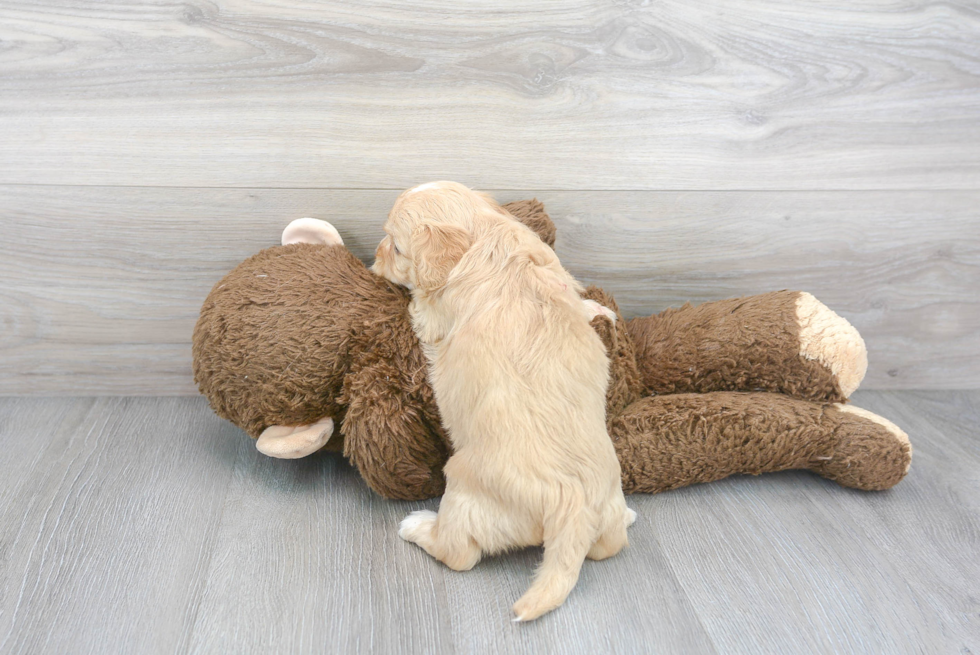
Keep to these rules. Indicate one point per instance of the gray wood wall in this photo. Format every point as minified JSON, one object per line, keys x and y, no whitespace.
{"x":688,"y":151}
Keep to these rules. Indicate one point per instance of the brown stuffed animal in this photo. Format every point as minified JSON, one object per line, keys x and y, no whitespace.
{"x":304,"y":348}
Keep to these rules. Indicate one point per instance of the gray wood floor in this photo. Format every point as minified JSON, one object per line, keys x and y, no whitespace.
{"x":148,"y":525}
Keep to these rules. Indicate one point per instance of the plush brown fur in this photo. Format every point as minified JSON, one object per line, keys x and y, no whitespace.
{"x":665,"y":442}
{"x":300,"y":332}
{"x":742,"y":343}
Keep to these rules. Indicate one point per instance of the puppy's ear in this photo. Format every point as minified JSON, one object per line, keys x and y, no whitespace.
{"x":436,"y":249}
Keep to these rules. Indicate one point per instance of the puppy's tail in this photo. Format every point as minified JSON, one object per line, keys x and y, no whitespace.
{"x":564,"y":553}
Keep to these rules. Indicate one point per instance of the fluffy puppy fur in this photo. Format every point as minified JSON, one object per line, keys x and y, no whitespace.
{"x":520,"y":378}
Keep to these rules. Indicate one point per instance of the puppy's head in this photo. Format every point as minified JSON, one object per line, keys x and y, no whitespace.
{"x":428,"y":231}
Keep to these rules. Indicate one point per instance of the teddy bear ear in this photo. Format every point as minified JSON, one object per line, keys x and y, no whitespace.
{"x":311,"y":230}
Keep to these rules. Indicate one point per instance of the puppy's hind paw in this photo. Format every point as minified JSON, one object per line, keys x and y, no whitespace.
{"x":417,"y":525}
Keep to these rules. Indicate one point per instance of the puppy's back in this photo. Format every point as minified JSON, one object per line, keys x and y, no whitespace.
{"x":535,"y":381}
{"x":523,"y":354}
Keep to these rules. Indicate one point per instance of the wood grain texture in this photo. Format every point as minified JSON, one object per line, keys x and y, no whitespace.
{"x":306,"y":563}
{"x":904,"y":268}
{"x":580,"y":95}
{"x":108,"y":520}
{"x":940,"y":515}
{"x":102,"y":286}
{"x":148,"y":525}
{"x":309,"y":559}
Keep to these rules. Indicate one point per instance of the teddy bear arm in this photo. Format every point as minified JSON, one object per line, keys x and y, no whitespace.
{"x":625,"y":385}
{"x":786,"y":342}
{"x":666,"y":442}
{"x":389,"y":437}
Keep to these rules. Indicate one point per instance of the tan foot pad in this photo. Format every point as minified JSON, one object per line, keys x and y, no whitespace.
{"x":898,"y":432}
{"x":832,"y":341}
{"x":293,"y":442}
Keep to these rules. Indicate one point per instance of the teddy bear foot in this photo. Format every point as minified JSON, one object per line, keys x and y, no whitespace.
{"x":870,"y":453}
{"x":832,"y":341}
{"x":293,"y":442}
{"x":311,"y":230}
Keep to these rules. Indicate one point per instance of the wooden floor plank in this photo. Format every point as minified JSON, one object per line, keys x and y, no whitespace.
{"x":769,"y":572}
{"x":632,"y":603}
{"x":103,"y":285}
{"x":186,"y":539}
{"x":306,"y":550}
{"x":926,"y":531}
{"x":581,"y":95}
{"x":108,"y":521}
{"x":308,"y":560}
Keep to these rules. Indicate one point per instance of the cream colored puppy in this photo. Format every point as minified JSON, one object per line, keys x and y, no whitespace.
{"x":520,"y":379}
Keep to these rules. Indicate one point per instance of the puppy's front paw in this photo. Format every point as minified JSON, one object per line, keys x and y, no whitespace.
{"x":595,"y":309}
{"x":417,"y":525}
{"x":630,"y":517}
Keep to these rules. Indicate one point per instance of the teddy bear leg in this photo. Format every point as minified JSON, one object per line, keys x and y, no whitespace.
{"x":830,"y":340}
{"x":293,"y":442}
{"x":870,"y":452}
{"x":667,"y":442}
{"x":785,"y":342}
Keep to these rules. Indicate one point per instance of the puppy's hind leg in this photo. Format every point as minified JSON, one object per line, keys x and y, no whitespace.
{"x":441,"y":536}
{"x":613,"y":539}
{"x":564,"y":552}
